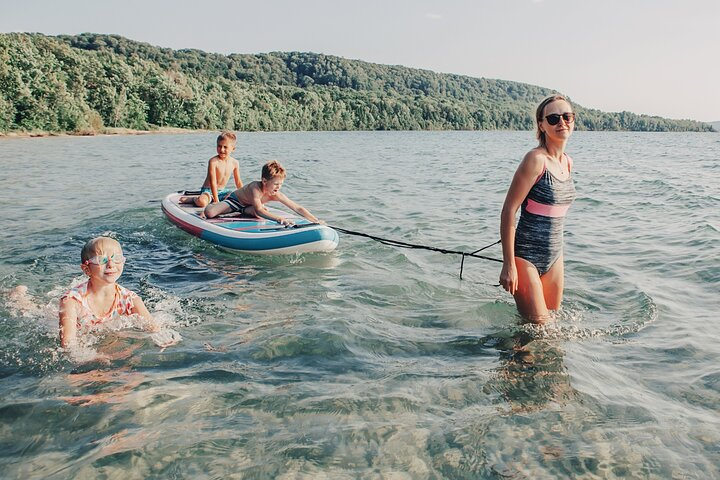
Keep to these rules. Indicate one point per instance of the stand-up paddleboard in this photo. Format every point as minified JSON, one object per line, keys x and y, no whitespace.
{"x":251,"y":234}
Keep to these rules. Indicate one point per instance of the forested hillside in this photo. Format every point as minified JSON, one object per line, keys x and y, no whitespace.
{"x":89,"y":82}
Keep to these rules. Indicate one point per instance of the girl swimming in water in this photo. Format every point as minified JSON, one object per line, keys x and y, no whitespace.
{"x":99,"y":298}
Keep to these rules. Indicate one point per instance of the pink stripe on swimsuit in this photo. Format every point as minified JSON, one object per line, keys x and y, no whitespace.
{"x":539,"y":233}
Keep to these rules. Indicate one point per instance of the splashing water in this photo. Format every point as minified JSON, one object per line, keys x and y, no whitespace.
{"x":41,"y":327}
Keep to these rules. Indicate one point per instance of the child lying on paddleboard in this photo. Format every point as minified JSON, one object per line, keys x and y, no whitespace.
{"x":251,"y":199}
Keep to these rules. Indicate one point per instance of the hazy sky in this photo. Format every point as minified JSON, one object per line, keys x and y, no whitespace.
{"x":658,"y":57}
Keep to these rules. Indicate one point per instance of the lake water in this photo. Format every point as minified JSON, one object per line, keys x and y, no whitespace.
{"x":370,"y":361}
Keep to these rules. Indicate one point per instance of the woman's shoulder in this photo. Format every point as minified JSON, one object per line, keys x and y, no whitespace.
{"x":536,"y":156}
{"x":533,"y":163}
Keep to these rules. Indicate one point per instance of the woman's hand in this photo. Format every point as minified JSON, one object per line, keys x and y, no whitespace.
{"x":509,"y":277}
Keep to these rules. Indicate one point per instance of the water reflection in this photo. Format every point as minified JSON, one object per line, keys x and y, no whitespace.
{"x":104,"y":386}
{"x":532,"y":373}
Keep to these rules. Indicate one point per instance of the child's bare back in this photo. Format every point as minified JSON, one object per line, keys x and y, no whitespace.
{"x":251,"y":191}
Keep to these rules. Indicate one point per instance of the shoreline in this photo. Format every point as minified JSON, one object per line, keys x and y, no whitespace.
{"x":104,"y":132}
{"x":176,"y":130}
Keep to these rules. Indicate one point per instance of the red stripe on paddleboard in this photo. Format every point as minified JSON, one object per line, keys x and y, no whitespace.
{"x":191,"y":229}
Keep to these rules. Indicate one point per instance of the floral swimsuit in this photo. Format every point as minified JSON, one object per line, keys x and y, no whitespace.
{"x":123,"y":305}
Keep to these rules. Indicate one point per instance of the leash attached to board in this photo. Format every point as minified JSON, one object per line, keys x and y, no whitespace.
{"x":400,"y":244}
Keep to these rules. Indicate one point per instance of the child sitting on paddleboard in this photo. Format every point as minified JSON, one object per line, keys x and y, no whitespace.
{"x":220,"y":168}
{"x":251,"y":199}
{"x":89,"y":304}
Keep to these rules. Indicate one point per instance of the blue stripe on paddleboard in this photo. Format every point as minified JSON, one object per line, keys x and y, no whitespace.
{"x":255,"y":227}
{"x":292,"y":239}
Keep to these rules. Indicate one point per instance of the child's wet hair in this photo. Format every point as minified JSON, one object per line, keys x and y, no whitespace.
{"x":273,"y":169}
{"x":91,"y":247}
{"x":227,"y":135}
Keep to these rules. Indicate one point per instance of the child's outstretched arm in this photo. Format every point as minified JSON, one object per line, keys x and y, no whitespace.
{"x":140,"y":309}
{"x":69,"y":333}
{"x":297,"y":208}
{"x":162,"y":337}
{"x":68,"y":322}
{"x":258,"y":209}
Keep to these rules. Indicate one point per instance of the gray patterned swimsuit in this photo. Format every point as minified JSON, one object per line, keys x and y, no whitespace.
{"x":539,"y":233}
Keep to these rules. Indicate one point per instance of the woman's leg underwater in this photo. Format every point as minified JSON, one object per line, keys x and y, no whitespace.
{"x":529,"y":297}
{"x":553,"y":283}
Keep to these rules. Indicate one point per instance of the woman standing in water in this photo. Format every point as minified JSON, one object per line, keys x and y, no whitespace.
{"x":543,"y":190}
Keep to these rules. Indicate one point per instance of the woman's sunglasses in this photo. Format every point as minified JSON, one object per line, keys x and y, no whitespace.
{"x":554,"y":118}
{"x":104,"y":259}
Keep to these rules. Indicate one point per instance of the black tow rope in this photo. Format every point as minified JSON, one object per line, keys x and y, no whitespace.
{"x":398,"y":243}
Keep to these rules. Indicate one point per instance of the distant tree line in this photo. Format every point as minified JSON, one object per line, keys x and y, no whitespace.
{"x":86,"y":83}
